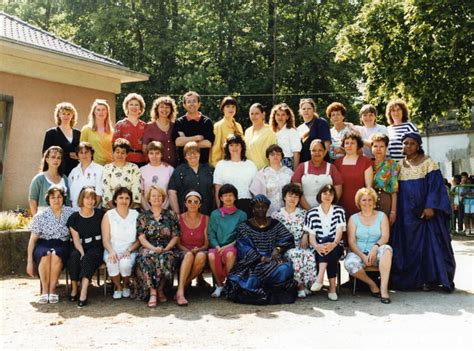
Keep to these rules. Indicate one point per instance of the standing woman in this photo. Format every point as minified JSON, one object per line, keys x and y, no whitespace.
{"x":119,"y":237}
{"x":368,"y":118}
{"x":99,"y":131}
{"x":259,"y":136}
{"x":132,"y":127}
{"x":270,"y":180}
{"x":235,"y":169}
{"x":158,"y":233}
{"x":85,"y":228}
{"x":422,"y":253}
{"x":282,"y":122}
{"x":221,"y":231}
{"x":192,"y":244}
{"x":223,"y":128}
{"x":121,"y":173}
{"x":356,"y":171}
{"x":314,"y":174}
{"x":292,"y":217}
{"x":312,"y":128}
{"x":325,"y":225}
{"x":155,"y":172}
{"x":48,"y":248}
{"x":385,"y":177}
{"x":336,"y":112}
{"x":398,"y":124}
{"x":64,"y":135}
{"x":160,"y":128}
{"x":51,"y":175}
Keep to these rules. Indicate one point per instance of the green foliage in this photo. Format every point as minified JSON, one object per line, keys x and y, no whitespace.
{"x":419,"y":50}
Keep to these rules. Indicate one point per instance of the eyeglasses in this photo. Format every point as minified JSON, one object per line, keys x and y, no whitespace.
{"x":193,"y":202}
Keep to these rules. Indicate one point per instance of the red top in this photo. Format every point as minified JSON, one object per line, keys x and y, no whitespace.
{"x":333,"y":172}
{"x":191,"y":238}
{"x":353,"y":176}
{"x":134,"y":134}
{"x":154,"y":133}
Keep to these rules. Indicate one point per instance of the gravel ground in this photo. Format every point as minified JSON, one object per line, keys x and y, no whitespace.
{"x":414,"y":320}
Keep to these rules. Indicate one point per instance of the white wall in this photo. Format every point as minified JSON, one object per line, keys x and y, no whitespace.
{"x":446,"y":149}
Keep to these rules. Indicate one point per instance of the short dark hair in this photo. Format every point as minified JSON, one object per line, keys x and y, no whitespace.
{"x":354,"y":136}
{"x":235,"y":139}
{"x":122,"y":190}
{"x":122,"y":143}
{"x":272,"y":148}
{"x":327,"y":188}
{"x":228,"y":188}
{"x":52,"y":190}
{"x":464,"y":174}
{"x":291,"y":188}
{"x":85,"y":145}
{"x":228,"y":100}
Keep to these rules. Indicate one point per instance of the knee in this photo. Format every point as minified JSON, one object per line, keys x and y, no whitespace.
{"x":200,"y":257}
{"x":212,"y":257}
{"x":125,"y":267}
{"x":230,"y":255}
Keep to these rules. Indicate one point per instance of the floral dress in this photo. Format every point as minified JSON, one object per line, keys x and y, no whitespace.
{"x":304,"y":261}
{"x":151,"y":267}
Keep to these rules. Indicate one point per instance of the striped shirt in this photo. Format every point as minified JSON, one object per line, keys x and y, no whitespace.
{"x":325,"y":226}
{"x":395,"y":134}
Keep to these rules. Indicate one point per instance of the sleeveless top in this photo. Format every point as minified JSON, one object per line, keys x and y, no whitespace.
{"x":191,"y":238}
{"x":311,"y":183}
{"x":367,"y":236}
{"x":123,"y":232}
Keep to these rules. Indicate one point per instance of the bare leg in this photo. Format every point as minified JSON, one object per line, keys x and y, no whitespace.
{"x":212,"y":265}
{"x":184,"y":270}
{"x":117,"y":280}
{"x":361,"y":275}
{"x":74,"y":285}
{"x":384,"y":267}
{"x":198,"y":266}
{"x":161,"y":293}
{"x":84,"y":285}
{"x":56,"y":267}
{"x":229,"y":261}
{"x":44,"y":270}
{"x":126,"y":282}
{"x":322,"y":270}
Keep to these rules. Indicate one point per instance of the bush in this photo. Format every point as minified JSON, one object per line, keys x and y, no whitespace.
{"x":11,"y":220}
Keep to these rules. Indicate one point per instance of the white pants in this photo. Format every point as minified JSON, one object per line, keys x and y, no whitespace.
{"x":123,"y":266}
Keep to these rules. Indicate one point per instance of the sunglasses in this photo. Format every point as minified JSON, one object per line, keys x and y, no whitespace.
{"x":193,"y":202}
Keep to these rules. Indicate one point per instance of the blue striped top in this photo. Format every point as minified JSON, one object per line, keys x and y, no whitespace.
{"x":395,"y":134}
{"x":325,"y":229}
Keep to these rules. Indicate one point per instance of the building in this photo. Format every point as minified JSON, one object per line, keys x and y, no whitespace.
{"x":37,"y":71}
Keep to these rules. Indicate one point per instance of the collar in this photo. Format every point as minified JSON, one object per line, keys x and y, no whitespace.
{"x":188,"y":118}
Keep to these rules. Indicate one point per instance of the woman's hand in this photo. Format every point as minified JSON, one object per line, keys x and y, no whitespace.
{"x":195,"y":250}
{"x":158,"y":249}
{"x":126,"y":253}
{"x":372,"y":256}
{"x":320,"y":249}
{"x":265,"y":259}
{"x":393,"y":217}
{"x":275,"y":253}
{"x":428,"y":213}
{"x":304,"y":241}
{"x":30,"y":269}
{"x":113,"y":257}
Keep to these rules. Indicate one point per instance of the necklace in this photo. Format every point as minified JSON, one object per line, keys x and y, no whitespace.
{"x":260,"y":225}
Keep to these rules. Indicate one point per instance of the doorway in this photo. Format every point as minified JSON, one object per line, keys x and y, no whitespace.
{"x":6,"y":108}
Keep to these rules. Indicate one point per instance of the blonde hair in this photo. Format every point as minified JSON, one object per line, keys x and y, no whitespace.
{"x":130,"y":97}
{"x":365,"y":191}
{"x":167,"y":100}
{"x":290,"y":123}
{"x":191,"y":146}
{"x":307,"y":101}
{"x":157,"y":188}
{"x":68,"y":107}
{"x":92,"y":122}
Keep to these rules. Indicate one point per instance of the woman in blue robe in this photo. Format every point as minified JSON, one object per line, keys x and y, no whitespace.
{"x":262,"y":274}
{"x":422,"y":253}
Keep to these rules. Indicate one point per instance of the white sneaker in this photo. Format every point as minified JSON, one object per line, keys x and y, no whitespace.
{"x":126,"y":292}
{"x":332,"y":296}
{"x":301,"y":294}
{"x":316,"y":286}
{"x":218,"y":291}
{"x":117,"y":294}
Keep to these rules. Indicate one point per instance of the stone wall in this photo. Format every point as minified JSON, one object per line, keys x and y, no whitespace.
{"x":13,"y":251}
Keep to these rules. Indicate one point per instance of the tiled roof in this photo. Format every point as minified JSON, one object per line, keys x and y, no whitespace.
{"x":14,"y":29}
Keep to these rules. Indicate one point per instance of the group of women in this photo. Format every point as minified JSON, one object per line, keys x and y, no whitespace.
{"x":268,"y":212}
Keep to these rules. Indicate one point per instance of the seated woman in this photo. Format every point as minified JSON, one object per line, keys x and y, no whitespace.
{"x":119,"y":237}
{"x":193,"y":244}
{"x":221,"y":232}
{"x":121,"y":173}
{"x":292,"y":216}
{"x":262,"y":274}
{"x":368,"y":235}
{"x":48,"y":248}
{"x":158,"y":233}
{"x":87,"y":239}
{"x":325,"y":225}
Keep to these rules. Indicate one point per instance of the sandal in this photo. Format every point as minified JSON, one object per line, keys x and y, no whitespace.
{"x":43,"y":300}
{"x":73,"y":298}
{"x":53,"y":298}
{"x":162,"y":297}
{"x":385,"y":300}
{"x":181,"y":301}
{"x":152,"y":301}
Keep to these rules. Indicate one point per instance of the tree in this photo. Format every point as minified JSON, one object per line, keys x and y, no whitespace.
{"x":416,"y":49}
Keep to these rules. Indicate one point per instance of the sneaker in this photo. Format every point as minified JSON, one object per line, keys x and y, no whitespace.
{"x":301,"y":294}
{"x":332,"y":296}
{"x":307,"y":291}
{"x":218,"y":291}
{"x":126,"y":292}
{"x":117,"y":294}
{"x":316,"y":286}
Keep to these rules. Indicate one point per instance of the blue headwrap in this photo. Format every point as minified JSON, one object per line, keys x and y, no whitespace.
{"x":260,"y":198}
{"x":413,"y":135}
